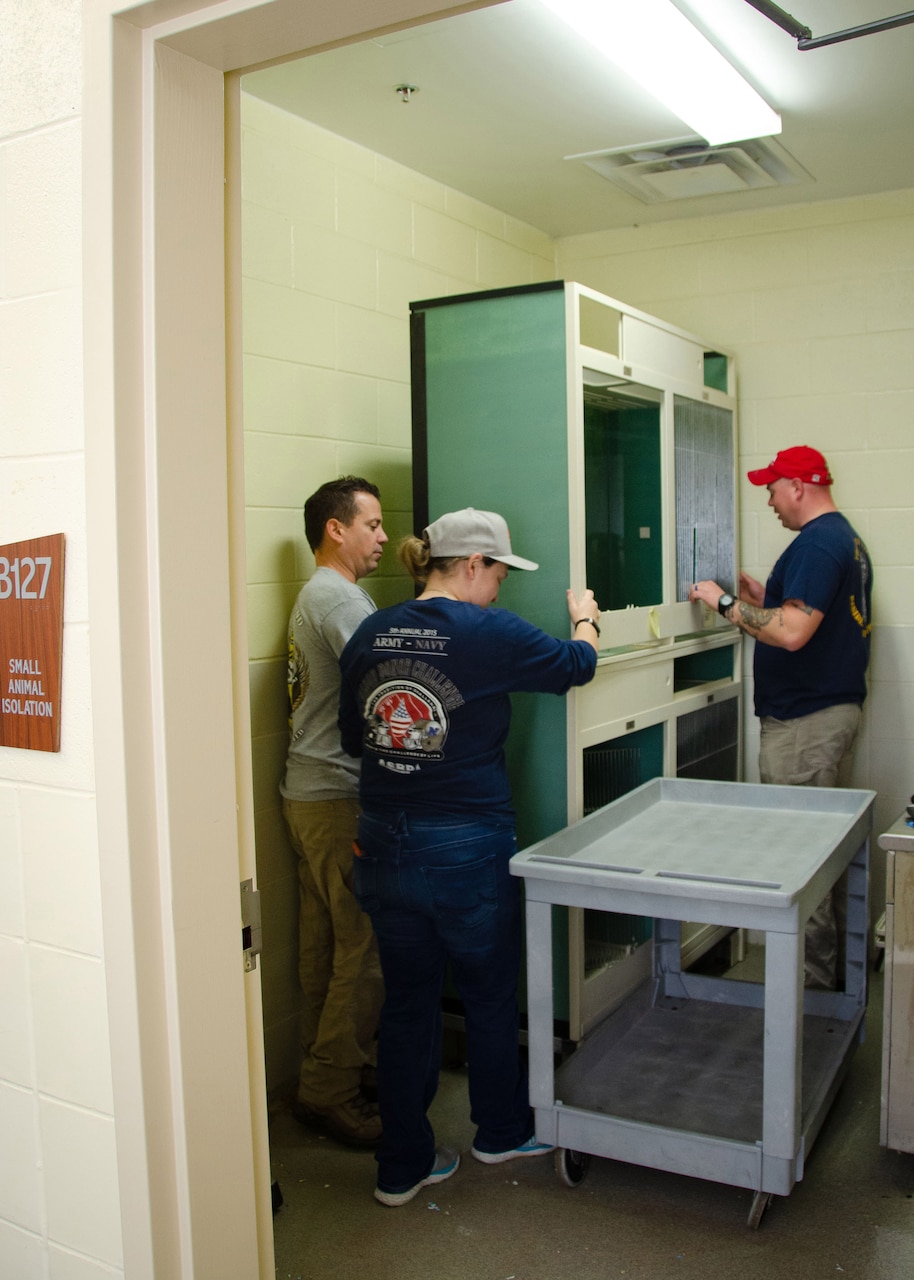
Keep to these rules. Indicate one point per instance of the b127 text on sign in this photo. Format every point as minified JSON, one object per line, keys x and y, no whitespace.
{"x":31,"y":642}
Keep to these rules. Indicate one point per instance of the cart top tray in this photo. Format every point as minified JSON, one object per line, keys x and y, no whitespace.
{"x":718,"y":841}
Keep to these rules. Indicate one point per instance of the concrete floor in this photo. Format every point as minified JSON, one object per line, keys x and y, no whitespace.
{"x":851,"y":1217}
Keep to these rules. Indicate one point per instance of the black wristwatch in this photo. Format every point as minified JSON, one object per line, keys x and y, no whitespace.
{"x":724,"y":603}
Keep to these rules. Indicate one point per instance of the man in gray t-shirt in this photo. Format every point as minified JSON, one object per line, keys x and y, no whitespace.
{"x":338,"y":961}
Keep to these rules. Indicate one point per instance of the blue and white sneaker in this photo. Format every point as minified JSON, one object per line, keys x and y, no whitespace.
{"x":529,"y":1148}
{"x":446,"y":1162}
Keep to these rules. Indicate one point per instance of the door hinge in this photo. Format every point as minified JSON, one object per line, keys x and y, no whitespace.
{"x":251,"y":931}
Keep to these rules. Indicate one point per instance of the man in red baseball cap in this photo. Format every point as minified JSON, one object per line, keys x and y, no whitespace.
{"x":811,"y":622}
{"x":798,"y":463}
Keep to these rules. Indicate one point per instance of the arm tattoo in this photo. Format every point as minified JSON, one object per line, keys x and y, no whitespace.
{"x":751,"y":616}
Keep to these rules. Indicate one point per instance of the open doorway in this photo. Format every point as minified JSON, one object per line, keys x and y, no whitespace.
{"x":170,"y":679}
{"x":336,"y":242}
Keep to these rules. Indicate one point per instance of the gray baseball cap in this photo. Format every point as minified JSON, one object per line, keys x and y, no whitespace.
{"x":463,"y":533}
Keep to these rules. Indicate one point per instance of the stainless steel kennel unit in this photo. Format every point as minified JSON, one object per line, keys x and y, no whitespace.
{"x":711,"y":1077}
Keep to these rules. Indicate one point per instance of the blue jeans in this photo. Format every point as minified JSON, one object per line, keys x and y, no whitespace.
{"x":438,"y":890}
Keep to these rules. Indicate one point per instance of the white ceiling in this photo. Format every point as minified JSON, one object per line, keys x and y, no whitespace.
{"x":506,"y":93}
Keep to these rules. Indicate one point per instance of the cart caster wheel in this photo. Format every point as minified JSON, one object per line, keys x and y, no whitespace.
{"x":571,"y":1166}
{"x":759,"y":1205}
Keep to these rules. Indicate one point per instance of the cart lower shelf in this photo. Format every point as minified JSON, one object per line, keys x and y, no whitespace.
{"x":691,"y":1064}
{"x":678,"y":1085}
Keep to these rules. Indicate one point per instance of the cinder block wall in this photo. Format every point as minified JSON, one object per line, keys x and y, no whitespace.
{"x":59,"y":1208}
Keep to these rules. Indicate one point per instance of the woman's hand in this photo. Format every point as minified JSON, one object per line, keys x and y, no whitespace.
{"x":584,"y":609}
{"x":582,"y":606}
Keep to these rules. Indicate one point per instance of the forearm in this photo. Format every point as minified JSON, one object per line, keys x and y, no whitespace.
{"x":785,"y":627}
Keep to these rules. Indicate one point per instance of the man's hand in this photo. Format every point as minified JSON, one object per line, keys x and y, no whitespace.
{"x":709,"y":592}
{"x":751,"y":590}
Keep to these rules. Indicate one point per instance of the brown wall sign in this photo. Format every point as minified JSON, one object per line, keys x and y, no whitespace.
{"x":31,"y":642}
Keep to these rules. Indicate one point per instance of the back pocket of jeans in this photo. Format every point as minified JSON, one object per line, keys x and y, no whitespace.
{"x":465,"y":896}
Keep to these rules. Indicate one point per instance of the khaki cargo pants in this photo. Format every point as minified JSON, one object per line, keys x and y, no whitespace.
{"x":339,"y":971}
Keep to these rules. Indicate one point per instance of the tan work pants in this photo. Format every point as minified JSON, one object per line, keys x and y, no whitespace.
{"x":339,"y":971}
{"x":815,"y":751}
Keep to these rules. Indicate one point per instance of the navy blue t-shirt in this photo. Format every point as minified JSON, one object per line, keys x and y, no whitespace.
{"x":828,"y":568}
{"x":424,"y":701}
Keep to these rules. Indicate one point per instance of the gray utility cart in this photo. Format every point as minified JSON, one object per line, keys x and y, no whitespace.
{"x":711,"y":1077}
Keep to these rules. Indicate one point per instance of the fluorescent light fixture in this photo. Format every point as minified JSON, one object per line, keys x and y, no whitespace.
{"x":653,"y":42}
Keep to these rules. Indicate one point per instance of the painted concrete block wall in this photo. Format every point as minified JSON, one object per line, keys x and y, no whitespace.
{"x":337,"y":241}
{"x":59,"y":1212}
{"x":817,"y":302}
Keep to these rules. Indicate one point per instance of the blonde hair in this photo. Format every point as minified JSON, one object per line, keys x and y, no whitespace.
{"x":418,"y":561}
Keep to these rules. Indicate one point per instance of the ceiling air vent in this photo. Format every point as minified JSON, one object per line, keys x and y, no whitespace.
{"x":684,"y":168}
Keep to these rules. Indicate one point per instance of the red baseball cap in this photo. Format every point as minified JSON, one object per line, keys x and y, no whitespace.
{"x":799,"y":463}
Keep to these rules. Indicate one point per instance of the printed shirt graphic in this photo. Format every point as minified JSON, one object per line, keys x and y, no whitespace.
{"x":403,"y":718}
{"x":425,"y":701}
{"x":408,"y":700}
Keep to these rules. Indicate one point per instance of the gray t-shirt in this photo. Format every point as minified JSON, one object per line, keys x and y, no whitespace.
{"x":328,"y":609}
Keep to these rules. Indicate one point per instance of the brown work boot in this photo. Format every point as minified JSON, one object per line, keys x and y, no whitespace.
{"x":355,"y":1123}
{"x":369,"y":1082}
